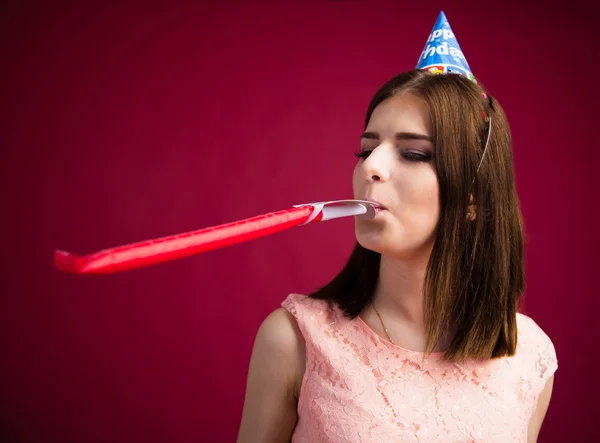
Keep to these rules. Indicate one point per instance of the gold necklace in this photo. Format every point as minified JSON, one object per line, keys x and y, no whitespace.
{"x":383,"y":324}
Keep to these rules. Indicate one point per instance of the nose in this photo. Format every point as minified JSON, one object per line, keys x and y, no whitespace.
{"x":378,"y":165}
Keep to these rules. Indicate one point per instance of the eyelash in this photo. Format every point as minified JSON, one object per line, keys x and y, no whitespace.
{"x":410,"y":156}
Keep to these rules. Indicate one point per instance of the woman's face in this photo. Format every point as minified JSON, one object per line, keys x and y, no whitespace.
{"x":396,"y":169}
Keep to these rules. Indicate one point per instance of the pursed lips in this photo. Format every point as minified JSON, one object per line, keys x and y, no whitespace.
{"x":377,"y":204}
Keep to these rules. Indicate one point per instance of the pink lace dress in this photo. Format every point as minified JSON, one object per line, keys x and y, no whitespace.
{"x":358,"y":387}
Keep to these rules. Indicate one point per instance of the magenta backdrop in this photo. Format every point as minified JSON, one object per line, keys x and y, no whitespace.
{"x":127,"y":123}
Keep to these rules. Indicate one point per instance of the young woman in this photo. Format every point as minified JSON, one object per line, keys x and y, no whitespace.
{"x":418,"y":338}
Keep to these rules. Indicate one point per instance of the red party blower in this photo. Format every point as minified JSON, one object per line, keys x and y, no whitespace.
{"x":160,"y":250}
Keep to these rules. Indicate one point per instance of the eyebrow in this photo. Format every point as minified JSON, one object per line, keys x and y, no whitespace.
{"x":399,"y":136}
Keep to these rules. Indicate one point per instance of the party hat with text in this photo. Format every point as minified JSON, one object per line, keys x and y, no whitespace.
{"x":442,"y":54}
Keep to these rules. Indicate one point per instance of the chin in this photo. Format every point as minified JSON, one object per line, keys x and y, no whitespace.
{"x":392,"y":248}
{"x":373,"y":243}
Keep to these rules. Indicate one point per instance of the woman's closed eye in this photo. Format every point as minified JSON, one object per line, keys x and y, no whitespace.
{"x":408,"y":155}
{"x":417,"y":156}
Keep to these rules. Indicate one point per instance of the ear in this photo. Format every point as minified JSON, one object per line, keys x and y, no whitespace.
{"x":471,"y":210}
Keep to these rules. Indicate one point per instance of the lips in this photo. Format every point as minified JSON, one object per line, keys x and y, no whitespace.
{"x":377,"y":204}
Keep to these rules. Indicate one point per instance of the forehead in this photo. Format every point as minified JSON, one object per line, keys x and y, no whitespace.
{"x":401,"y":113}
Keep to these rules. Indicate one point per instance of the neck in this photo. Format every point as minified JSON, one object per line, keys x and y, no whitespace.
{"x":399,"y":298}
{"x":399,"y":290}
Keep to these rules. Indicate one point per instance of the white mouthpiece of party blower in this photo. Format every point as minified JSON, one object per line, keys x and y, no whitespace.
{"x":330,"y":210}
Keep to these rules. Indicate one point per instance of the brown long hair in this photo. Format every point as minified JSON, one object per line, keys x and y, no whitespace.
{"x":475,"y":274}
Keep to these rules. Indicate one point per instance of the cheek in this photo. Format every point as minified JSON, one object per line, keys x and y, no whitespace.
{"x":356,"y":181}
{"x":423,"y":192}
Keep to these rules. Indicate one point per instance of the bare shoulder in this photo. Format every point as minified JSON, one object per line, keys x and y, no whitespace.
{"x":274,"y":379}
{"x":280,"y":350}
{"x":279,"y":335}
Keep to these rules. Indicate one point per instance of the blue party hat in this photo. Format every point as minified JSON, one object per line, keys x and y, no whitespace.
{"x":442,"y":54}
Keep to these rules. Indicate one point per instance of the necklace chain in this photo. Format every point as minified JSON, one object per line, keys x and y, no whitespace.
{"x":383,"y":325}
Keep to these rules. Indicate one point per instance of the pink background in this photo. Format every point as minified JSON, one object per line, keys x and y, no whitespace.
{"x":127,"y":123}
